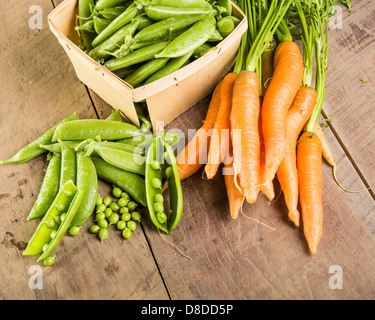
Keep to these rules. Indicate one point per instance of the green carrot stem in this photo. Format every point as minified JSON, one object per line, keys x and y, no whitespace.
{"x":321,"y":53}
{"x":271,"y":23}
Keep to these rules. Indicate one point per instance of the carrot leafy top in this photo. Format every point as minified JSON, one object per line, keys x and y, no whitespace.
{"x":319,"y":13}
{"x":264,"y":18}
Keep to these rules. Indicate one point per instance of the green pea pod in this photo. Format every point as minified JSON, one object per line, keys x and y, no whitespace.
{"x":141,"y":55}
{"x":122,"y":73}
{"x":202,"y":50}
{"x":85,"y":8}
{"x":33,"y":150}
{"x":88,"y":26}
{"x":193,"y":38}
{"x":112,"y":13}
{"x":87,"y":182}
{"x":175,"y":189}
{"x":115,"y":116}
{"x":100,"y":24}
{"x":225,"y":26}
{"x":92,"y":128}
{"x":56,"y":147}
{"x":145,"y":71}
{"x":68,"y":164}
{"x":153,"y":179}
{"x":163,"y":28}
{"x":144,"y":118}
{"x":123,"y":147}
{"x":42,"y":235}
{"x":235,"y":20}
{"x":173,"y":34}
{"x":131,"y":183}
{"x":182,"y":3}
{"x":64,"y":226}
{"x":104,"y":4}
{"x":144,"y":141}
{"x":104,"y":50}
{"x":121,"y":21}
{"x":227,"y":5}
{"x":121,"y":159}
{"x":215,"y":36}
{"x":49,"y":189}
{"x":144,"y":21}
{"x":161,"y":162}
{"x":172,"y":66}
{"x":141,"y":141}
{"x":161,"y":13}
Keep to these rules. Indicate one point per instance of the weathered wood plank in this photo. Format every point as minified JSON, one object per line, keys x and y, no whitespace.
{"x":39,"y":89}
{"x":244,"y":259}
{"x":351,"y":102}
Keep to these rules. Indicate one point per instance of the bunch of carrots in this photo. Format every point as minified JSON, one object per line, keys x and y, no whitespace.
{"x":262,"y":122}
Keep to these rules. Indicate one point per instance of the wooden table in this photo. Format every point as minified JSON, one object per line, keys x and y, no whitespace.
{"x":230,"y":259}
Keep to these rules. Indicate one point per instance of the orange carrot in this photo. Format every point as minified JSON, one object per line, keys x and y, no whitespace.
{"x":235,"y":197}
{"x":286,"y":81}
{"x":189,"y":160}
{"x":245,"y":134}
{"x":266,"y":187}
{"x":309,"y":164}
{"x":298,"y":115}
{"x":219,"y":143}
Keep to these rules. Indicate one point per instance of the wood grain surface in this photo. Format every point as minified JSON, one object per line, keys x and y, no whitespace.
{"x":261,"y":255}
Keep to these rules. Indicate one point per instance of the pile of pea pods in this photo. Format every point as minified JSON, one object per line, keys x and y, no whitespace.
{"x":135,"y":161}
{"x":143,"y":41}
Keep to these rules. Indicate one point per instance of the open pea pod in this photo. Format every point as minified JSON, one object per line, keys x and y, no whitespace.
{"x":44,"y":232}
{"x":175,"y":190}
{"x":63,"y":226}
{"x":161,"y":162}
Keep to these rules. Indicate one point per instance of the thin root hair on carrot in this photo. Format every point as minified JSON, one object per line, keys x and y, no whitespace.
{"x":173,"y":245}
{"x":257,"y":221}
{"x":341,"y":186}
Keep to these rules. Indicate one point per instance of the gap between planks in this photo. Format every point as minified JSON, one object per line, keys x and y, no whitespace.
{"x":349,"y":156}
{"x":143,"y":230}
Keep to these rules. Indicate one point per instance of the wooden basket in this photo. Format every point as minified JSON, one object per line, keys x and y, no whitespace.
{"x":166,"y":98}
